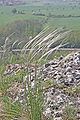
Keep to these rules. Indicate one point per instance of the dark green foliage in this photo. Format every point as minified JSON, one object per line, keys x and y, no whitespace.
{"x":12,"y":109}
{"x":14,"y":11}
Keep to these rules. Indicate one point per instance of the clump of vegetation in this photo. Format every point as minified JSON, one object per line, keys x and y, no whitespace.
{"x":35,"y":99}
{"x":11,"y":110}
{"x":69,"y":113}
{"x":39,"y":48}
{"x":14,"y":11}
{"x":73,"y":91}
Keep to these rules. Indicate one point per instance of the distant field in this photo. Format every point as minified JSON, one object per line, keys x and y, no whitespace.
{"x":49,"y":15}
{"x":6,"y":15}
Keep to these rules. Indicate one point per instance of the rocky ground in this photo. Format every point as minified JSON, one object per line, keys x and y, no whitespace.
{"x":63,"y":95}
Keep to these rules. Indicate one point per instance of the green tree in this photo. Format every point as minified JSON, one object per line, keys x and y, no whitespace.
{"x":14,"y":11}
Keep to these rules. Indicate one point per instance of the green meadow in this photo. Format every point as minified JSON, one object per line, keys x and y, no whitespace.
{"x":6,"y":15}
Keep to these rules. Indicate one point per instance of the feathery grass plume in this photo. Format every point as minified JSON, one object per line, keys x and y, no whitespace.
{"x":37,"y":37}
{"x":39,"y":46}
{"x":14,"y":43}
{"x":7,"y":45}
{"x":20,"y":43}
{"x":7,"y":40}
{"x":42,"y":40}
{"x":47,"y":48}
